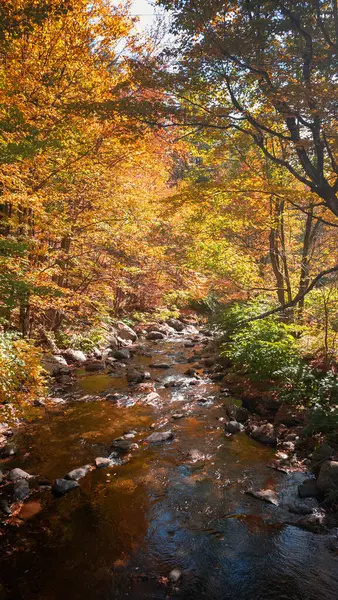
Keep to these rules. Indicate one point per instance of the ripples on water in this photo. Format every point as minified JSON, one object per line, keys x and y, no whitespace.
{"x":126,"y":528}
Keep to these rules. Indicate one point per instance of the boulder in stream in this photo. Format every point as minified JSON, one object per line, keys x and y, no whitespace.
{"x":159,"y":436}
{"x":175,"y":324}
{"x":195,"y":455}
{"x":102,"y":463}
{"x":233,"y":427}
{"x":265,"y":434}
{"x":54,"y":364}
{"x":78,"y":473}
{"x":17,"y":474}
{"x":237,"y":413}
{"x":155,"y":335}
{"x":74,"y":356}
{"x":21,"y":490}
{"x":63,"y":486}
{"x":122,"y":354}
{"x":269,"y":496}
{"x":124,"y":445}
{"x":328,"y":477}
{"x":125,"y":332}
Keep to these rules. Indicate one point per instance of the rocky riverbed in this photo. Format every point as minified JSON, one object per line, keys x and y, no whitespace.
{"x":142,"y":477}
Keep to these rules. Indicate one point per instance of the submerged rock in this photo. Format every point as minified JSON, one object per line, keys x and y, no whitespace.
{"x":265,"y":434}
{"x":63,"y":486}
{"x":78,"y":473}
{"x":159,"y":436}
{"x":94,"y":365}
{"x":269,"y":496}
{"x":160,"y":365}
{"x":308,"y":489}
{"x":233,"y":427}
{"x":17,"y":474}
{"x":21,"y":490}
{"x":124,"y":445}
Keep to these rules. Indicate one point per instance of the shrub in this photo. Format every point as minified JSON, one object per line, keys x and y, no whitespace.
{"x":305,"y":385}
{"x":262,"y":347}
{"x":21,"y":374}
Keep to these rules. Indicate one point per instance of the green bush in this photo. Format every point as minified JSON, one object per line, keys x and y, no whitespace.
{"x":260,"y":347}
{"x":305,"y":385}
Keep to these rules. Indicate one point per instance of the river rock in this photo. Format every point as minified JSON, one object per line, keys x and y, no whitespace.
{"x":175,"y":324}
{"x":155,"y":335}
{"x":7,"y":451}
{"x":21,"y":490}
{"x":160,"y":365}
{"x":122,"y":354}
{"x":94,"y":365}
{"x":102,"y":462}
{"x":190,"y":372}
{"x":17,"y":474}
{"x":63,"y":486}
{"x":174,"y":383}
{"x":269,"y":496}
{"x":76,"y":356}
{"x":175,"y":575}
{"x":237,"y":413}
{"x":124,"y":446}
{"x":4,"y":507}
{"x":308,"y":489}
{"x":125,"y":332}
{"x":321,"y":454}
{"x":159,"y":436}
{"x":314,"y":522}
{"x":328,"y":477}
{"x":54,"y":365}
{"x":209,"y":361}
{"x":178,"y":416}
{"x":265,"y":434}
{"x":195,"y":455}
{"x":233,"y":427}
{"x":135,"y":376}
{"x":78,"y":473}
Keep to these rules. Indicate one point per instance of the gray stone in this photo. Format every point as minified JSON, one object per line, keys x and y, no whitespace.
{"x":328,"y":477}
{"x":134,"y":376}
{"x":94,"y":365}
{"x":178,"y":416}
{"x":122,"y":354}
{"x":175,"y":575}
{"x":233,"y":427}
{"x":265,"y":434}
{"x":54,"y":364}
{"x":78,"y":473}
{"x":155,"y":335}
{"x":125,"y":332}
{"x":17,"y":474}
{"x":124,"y":446}
{"x":195,"y":455}
{"x":308,"y":489}
{"x":269,"y":496}
{"x":76,"y":356}
{"x":7,"y":451}
{"x":102,"y":462}
{"x":159,"y":436}
{"x":63,"y":486}
{"x":175,"y":324}
{"x":21,"y":490}
{"x":237,"y":413}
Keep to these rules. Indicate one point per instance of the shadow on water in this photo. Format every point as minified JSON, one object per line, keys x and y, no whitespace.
{"x":121,"y":533}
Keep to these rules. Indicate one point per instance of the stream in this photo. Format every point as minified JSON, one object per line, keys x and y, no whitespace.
{"x":121,"y":533}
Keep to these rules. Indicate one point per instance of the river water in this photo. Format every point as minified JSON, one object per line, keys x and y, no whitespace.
{"x":121,"y":533}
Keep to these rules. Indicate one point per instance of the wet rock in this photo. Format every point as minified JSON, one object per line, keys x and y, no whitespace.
{"x":147,"y":375}
{"x":78,"y":473}
{"x":125,"y":332}
{"x":308,"y":489}
{"x":17,"y":474}
{"x":195,"y":455}
{"x":269,"y":496}
{"x":21,"y":490}
{"x":155,"y":335}
{"x":190,"y":372}
{"x":189,"y":344}
{"x":54,"y":364}
{"x":328,"y":477}
{"x":321,"y":454}
{"x":159,"y":436}
{"x":122,"y":354}
{"x":135,"y":376}
{"x":290,"y":446}
{"x":265,"y":434}
{"x":314,"y":522}
{"x":63,"y":486}
{"x":178,"y":416}
{"x":7,"y":451}
{"x":102,"y":463}
{"x":175,"y":575}
{"x":94,"y":365}
{"x":175,"y":324}
{"x":233,"y":427}
{"x":160,"y":365}
{"x":4,"y":507}
{"x":124,"y":445}
{"x":174,"y":383}
{"x":76,"y":356}
{"x":237,"y":413}
{"x":209,"y":361}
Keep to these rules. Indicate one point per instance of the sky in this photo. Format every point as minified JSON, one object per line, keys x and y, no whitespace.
{"x":145,"y":11}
